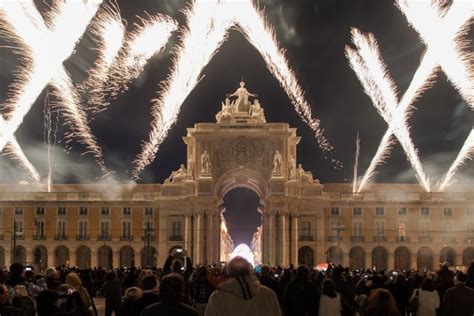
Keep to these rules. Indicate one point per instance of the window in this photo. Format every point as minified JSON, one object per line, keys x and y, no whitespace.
{"x":402,"y":211}
{"x":402,"y":230}
{"x":357,"y":211}
{"x":61,"y":211}
{"x":379,"y":211}
{"x":425,"y":229}
{"x":470,"y":232}
{"x":379,"y":229}
{"x":306,"y":229}
{"x":19,"y":228}
{"x":127,"y":211}
{"x":335,"y":211}
{"x":333,"y":229}
{"x":40,"y":210}
{"x":104,"y":229}
{"x":447,"y":211}
{"x":104,"y":211}
{"x":83,"y":210}
{"x":39,"y":229}
{"x":148,"y":211}
{"x":357,"y":229}
{"x":61,"y":229}
{"x":126,"y":229}
{"x":176,"y":229}
{"x":148,"y":228}
{"x":469,"y":211}
{"x":18,"y":210}
{"x":83,"y":229}
{"x":425,"y":211}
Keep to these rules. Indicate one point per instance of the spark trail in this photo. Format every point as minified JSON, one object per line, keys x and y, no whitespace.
{"x":148,"y":38}
{"x":199,"y":42}
{"x":378,"y":85}
{"x":356,"y":164}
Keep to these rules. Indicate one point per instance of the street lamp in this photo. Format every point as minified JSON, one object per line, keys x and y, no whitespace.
{"x":339,"y":228}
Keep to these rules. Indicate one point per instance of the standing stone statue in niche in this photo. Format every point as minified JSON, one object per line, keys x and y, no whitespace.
{"x":205,"y":163}
{"x":242,"y":104}
{"x":292,"y":168}
{"x":178,"y":176}
{"x":190,"y":168}
{"x":277,"y":161}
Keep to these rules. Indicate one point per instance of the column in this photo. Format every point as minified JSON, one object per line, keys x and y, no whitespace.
{"x":295,"y":236}
{"x":162,"y":236}
{"x":187,"y":234}
{"x":116,"y":259}
{"x":138,"y":258}
{"x":272,"y":238}
{"x":94,"y":255}
{"x":391,"y":260}
{"x":368,"y":259}
{"x":72,"y":257}
{"x":284,"y":241}
{"x":197,"y":238}
{"x":210,"y":239}
{"x":50,"y":257}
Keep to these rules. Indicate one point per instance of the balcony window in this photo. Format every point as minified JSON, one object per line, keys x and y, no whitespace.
{"x":306,"y":231}
{"x":61,"y":211}
{"x":176,"y":233}
{"x":18,"y":210}
{"x":402,"y":211}
{"x":425,"y":211}
{"x":148,"y":211}
{"x":335,"y":211}
{"x":104,"y":211}
{"x":357,"y":211}
{"x":379,"y":211}
{"x":40,"y":210}
{"x":447,"y":211}
{"x":127,"y":211}
{"x":126,"y":230}
{"x":83,"y":211}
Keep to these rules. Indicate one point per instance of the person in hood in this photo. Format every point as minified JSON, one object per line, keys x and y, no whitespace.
{"x":242,"y":294}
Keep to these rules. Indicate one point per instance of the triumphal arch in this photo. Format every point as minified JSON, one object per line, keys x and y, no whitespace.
{"x":241,"y":150}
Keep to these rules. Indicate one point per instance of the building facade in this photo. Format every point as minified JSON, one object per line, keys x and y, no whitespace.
{"x":88,"y":225}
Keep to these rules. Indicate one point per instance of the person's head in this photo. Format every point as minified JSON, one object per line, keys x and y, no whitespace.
{"x":202,"y":272}
{"x":45,"y":301}
{"x":302,"y":272}
{"x":428,"y":285}
{"x":17,"y":269}
{"x":133,"y":293}
{"x":265,"y":270}
{"x":149,"y":282}
{"x":20,"y":290}
{"x":460,"y":278}
{"x":176,"y":266}
{"x":238,"y":266}
{"x":381,"y":302}
{"x":51,"y":273}
{"x":110,"y":276}
{"x":328,"y":288}
{"x":172,"y":288}
{"x":73,"y":279}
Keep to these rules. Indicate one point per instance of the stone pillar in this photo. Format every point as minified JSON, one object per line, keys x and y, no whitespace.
{"x":272,"y":238}
{"x":72,"y":257}
{"x":116,"y":259}
{"x":295,"y":237}
{"x":391,"y":260}
{"x":210,"y":239}
{"x":138,"y":258}
{"x":94,"y":257}
{"x":368,"y":259}
{"x":162,"y":236}
{"x":29,"y":254}
{"x":197,"y":238}
{"x":50,"y":257}
{"x":321,"y":255}
{"x":284,"y":240}
{"x":187,"y":234}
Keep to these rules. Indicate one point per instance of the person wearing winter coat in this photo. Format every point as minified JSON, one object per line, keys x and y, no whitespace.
{"x":428,"y":298}
{"x":330,"y":301}
{"x":242,"y":294}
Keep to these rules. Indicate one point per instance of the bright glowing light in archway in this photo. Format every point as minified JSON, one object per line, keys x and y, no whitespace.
{"x":243,"y":251}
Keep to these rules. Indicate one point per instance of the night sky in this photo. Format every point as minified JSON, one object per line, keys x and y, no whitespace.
{"x":314,"y":34}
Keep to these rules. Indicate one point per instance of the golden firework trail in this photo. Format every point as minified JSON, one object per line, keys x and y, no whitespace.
{"x":208,"y":24}
{"x":373,"y":74}
{"x":148,"y":38}
{"x":356,"y":164}
{"x":15,"y":153}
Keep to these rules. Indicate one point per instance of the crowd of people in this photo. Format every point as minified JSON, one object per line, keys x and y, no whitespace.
{"x":236,"y":288}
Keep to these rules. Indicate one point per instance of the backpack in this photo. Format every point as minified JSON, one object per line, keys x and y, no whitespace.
{"x":414,"y":303}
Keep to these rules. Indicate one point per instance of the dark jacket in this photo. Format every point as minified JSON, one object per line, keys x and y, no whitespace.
{"x":459,"y":301}
{"x":300,"y":298}
{"x":26,"y":304}
{"x":169,"y":309}
{"x":143,"y":302}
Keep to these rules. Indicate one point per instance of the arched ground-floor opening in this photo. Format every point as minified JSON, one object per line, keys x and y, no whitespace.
{"x":127,"y":257}
{"x":149,"y":256}
{"x":20,"y":254}
{"x":2,"y":256}
{"x":105,"y":257}
{"x":306,"y":256}
{"x":334,"y":255}
{"x":448,"y":254}
{"x":61,"y":256}
{"x":83,"y":257}
{"x":357,"y":258}
{"x":424,"y":258}
{"x":402,"y":260}
{"x":468,"y":256}
{"x":380,"y":258}
{"x":40,"y":257}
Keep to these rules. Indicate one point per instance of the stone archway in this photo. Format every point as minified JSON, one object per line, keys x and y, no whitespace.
{"x":424,"y":258}
{"x":20,"y":254}
{"x":2,"y":256}
{"x":61,"y":256}
{"x":105,"y":257}
{"x":83,"y":257}
{"x":127,"y":257}
{"x":306,"y":256}
{"x":402,"y":258}
{"x":357,"y":258}
{"x":468,"y":256}
{"x":380,"y":258}
{"x":149,"y":256}
{"x":40,"y":257}
{"x":448,"y":254}
{"x":334,"y":255}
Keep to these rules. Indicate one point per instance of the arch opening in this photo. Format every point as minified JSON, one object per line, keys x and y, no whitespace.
{"x":61,"y":256}
{"x":83,"y":259}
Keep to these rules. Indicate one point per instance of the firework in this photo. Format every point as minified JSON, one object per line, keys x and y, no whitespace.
{"x":14,"y":152}
{"x":378,"y":85}
{"x":200,"y":41}
{"x":356,"y":164}
{"x":466,"y":153}
{"x":148,"y":38}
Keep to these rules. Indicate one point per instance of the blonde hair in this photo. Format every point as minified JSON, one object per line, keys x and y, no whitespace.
{"x":133,"y":293}
{"x":20,"y":290}
{"x":73,"y":279}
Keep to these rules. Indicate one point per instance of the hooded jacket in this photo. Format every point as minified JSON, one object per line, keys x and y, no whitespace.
{"x":243,"y":295}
